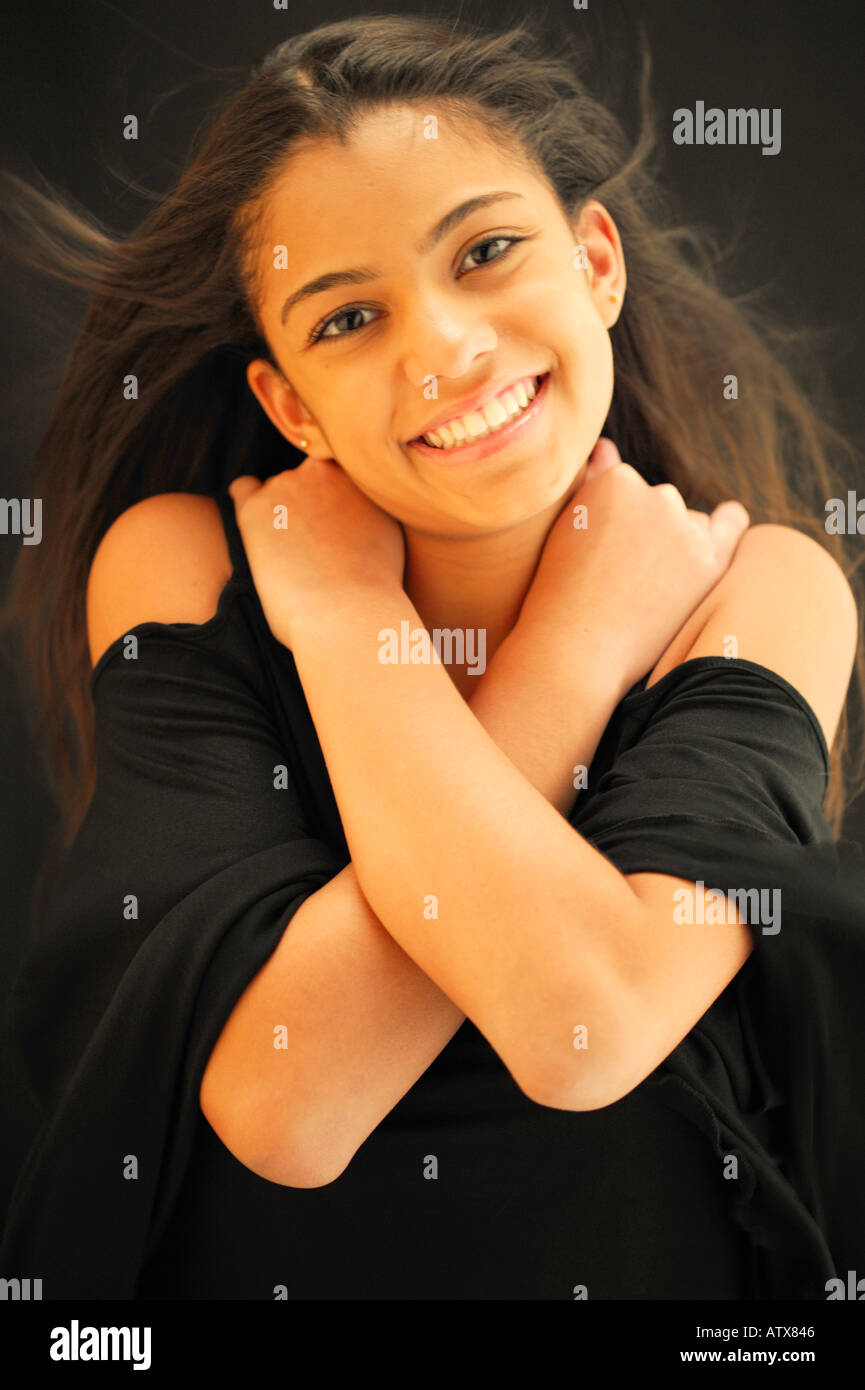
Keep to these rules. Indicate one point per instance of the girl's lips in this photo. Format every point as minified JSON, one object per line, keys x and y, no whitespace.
{"x":488,"y":443}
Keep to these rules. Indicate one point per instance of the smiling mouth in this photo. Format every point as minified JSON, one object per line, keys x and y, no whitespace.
{"x":493,"y":417}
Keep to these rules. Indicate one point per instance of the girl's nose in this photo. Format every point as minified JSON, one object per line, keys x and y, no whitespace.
{"x":447,"y":344}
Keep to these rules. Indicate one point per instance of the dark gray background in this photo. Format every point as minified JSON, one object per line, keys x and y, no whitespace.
{"x":69,"y":72}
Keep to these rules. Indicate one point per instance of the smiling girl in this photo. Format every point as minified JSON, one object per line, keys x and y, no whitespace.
{"x":376,"y":983}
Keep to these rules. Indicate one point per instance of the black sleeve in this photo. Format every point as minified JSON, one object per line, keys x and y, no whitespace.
{"x":193,"y":856}
{"x":714,"y":743}
{"x":717,"y":774}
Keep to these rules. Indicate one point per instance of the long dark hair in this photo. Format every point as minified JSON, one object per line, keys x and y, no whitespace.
{"x":172,"y":304}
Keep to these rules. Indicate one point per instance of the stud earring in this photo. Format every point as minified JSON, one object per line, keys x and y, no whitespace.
{"x":304,"y":444}
{"x":614,"y":297}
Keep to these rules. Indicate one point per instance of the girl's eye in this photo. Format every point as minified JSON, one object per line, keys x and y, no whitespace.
{"x":321,"y":329}
{"x":509,"y":241}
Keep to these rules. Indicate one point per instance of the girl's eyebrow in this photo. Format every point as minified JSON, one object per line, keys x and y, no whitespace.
{"x":363,"y":273}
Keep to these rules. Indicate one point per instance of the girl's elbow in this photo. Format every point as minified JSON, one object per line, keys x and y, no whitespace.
{"x":277,"y":1155}
{"x":584,"y":1066}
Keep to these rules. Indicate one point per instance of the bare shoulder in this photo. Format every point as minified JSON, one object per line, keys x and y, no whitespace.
{"x":785,"y":603}
{"x":163,"y":560}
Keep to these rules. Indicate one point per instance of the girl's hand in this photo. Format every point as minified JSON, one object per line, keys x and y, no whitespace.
{"x":310,"y":534}
{"x":616,"y":593}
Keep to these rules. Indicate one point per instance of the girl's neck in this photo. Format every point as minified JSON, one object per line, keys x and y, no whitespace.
{"x":475,"y":583}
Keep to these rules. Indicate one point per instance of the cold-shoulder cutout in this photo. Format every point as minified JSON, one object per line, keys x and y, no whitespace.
{"x":165,"y":560}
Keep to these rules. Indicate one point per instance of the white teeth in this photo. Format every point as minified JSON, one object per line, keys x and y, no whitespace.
{"x":495,"y":414}
{"x":476,"y":424}
{"x":479,"y":423}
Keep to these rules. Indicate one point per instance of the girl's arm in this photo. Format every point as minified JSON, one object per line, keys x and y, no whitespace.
{"x":363,"y":1021}
{"x":480,"y":880}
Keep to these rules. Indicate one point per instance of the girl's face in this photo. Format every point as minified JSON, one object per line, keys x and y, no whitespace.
{"x":410,"y":276}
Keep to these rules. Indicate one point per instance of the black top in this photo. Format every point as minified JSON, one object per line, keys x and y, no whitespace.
{"x":734,"y":1170}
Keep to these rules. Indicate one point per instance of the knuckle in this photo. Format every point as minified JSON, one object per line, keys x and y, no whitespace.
{"x":668,"y":492}
{"x":625,"y":473}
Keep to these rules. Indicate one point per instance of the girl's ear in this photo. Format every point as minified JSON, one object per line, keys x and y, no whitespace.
{"x":281,"y":404}
{"x":597,"y":234}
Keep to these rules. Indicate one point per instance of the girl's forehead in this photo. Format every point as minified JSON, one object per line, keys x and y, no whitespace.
{"x":415,"y":151}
